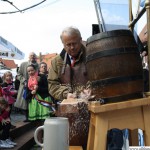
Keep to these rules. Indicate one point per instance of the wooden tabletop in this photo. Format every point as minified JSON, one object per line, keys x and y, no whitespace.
{"x":96,"y":107}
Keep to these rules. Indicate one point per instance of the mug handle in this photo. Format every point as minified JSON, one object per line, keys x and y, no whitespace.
{"x":36,"y":133}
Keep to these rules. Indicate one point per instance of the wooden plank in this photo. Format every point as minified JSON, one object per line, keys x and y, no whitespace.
{"x":91,"y":137}
{"x":101,"y":128}
{"x":96,"y":107}
{"x":146,"y":115}
{"x":75,"y":148}
{"x":24,"y":141}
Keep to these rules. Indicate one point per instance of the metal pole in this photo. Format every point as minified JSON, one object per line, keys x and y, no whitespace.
{"x":130,"y":15}
{"x":147,"y":6}
{"x":102,"y":19}
{"x":99,"y":15}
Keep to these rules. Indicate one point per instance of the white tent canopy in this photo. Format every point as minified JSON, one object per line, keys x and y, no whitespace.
{"x":9,"y":51}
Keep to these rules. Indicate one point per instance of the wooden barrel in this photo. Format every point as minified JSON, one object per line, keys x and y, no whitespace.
{"x":114,"y":66}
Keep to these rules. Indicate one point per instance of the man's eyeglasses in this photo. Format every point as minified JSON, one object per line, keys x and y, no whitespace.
{"x":69,"y":45}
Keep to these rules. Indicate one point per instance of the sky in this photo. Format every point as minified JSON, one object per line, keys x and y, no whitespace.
{"x":39,"y":29}
{"x":115,"y":12}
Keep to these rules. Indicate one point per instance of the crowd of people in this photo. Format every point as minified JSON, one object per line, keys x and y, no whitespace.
{"x":29,"y":93}
{"x":36,"y":88}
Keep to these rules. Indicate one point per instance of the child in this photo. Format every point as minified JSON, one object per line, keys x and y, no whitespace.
{"x":5,"y":125}
{"x":39,"y":101}
{"x":8,"y":89}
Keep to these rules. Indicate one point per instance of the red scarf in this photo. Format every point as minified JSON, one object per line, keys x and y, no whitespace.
{"x":32,"y":81}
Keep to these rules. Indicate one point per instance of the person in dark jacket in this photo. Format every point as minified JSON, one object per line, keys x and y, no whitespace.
{"x":1,"y":80}
{"x":17,"y":83}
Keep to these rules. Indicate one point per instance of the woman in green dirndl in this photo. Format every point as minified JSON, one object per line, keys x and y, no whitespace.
{"x":40,"y":103}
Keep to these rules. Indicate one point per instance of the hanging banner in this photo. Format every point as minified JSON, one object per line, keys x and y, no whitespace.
{"x":3,"y":54}
{"x":9,"y":51}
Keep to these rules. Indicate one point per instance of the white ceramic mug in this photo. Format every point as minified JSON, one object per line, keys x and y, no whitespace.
{"x":56,"y":134}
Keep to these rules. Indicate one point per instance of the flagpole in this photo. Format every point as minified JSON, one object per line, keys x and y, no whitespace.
{"x":147,"y":6}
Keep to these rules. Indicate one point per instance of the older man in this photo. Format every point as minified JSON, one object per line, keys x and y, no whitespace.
{"x":23,"y":77}
{"x":68,"y":72}
{"x":68,"y":75}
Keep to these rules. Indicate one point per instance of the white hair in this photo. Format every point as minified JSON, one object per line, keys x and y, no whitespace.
{"x":70,"y":31}
{"x":32,"y":53}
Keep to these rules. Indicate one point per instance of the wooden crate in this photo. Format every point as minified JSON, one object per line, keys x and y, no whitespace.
{"x":131,"y":114}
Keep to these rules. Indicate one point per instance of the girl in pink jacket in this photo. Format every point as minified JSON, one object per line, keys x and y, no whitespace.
{"x":8,"y":89}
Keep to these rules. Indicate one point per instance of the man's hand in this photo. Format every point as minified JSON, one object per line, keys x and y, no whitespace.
{"x":71,"y":95}
{"x":86,"y":94}
{"x":33,"y":92}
